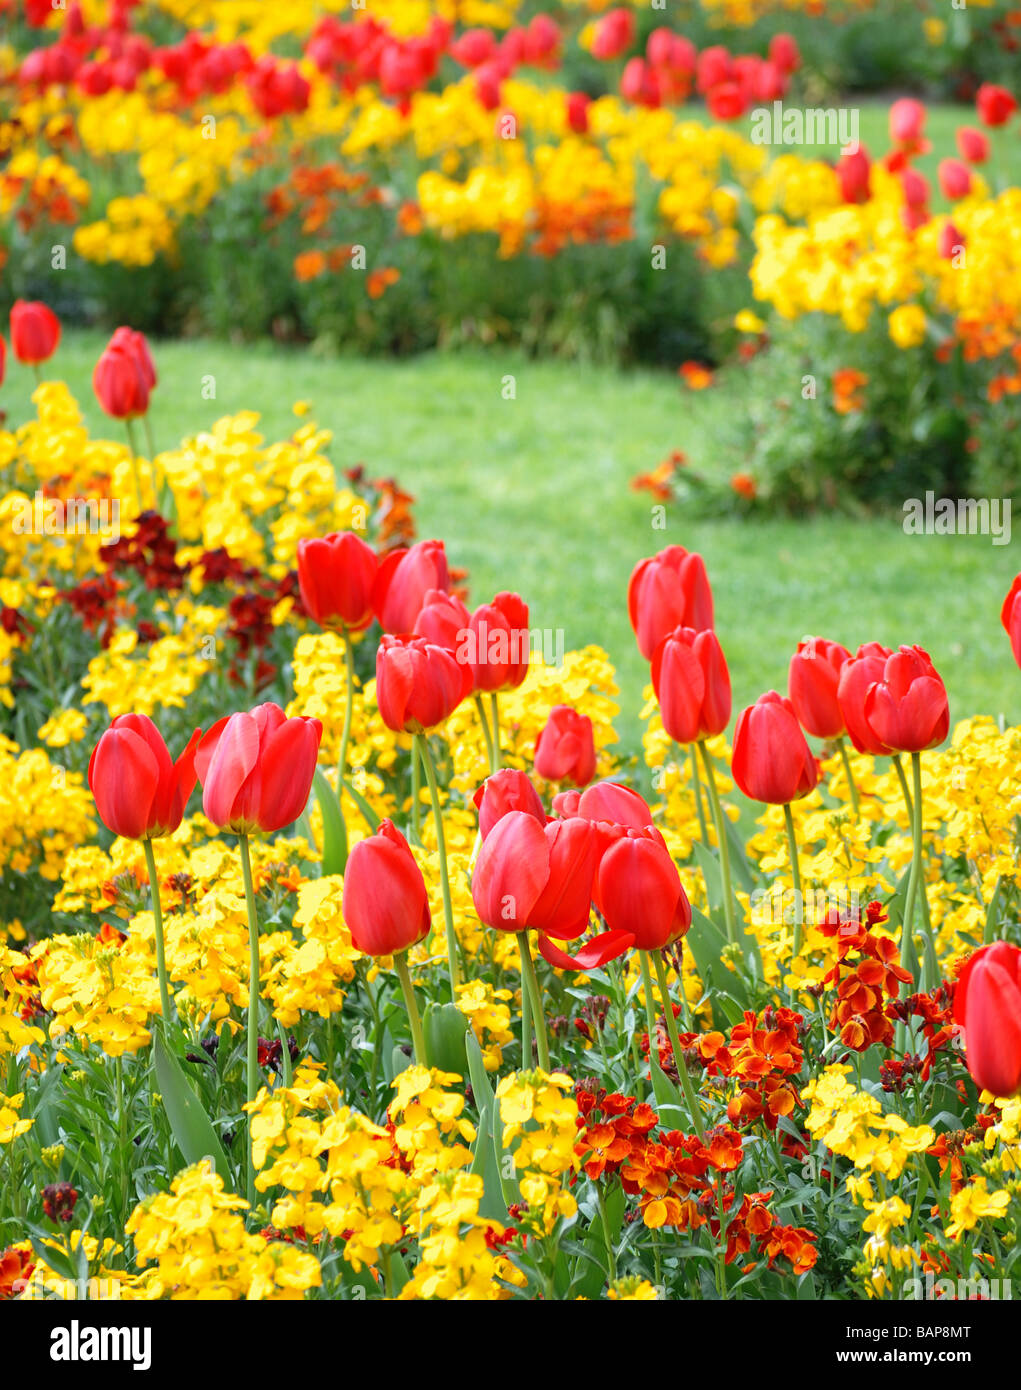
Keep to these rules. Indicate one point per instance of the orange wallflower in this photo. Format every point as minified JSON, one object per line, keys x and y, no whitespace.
{"x":379,"y":281}
{"x":848,"y":384}
{"x":695,"y":375}
{"x":309,"y":264}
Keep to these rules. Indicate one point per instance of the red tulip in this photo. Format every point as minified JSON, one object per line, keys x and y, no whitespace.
{"x":35,"y":332}
{"x":1010,"y":616}
{"x":507,"y":790}
{"x":418,"y":684}
{"x":443,"y":620}
{"x":907,"y":121}
{"x":853,"y":172}
{"x":726,"y":101}
{"x":857,"y":674}
{"x":987,"y":1005}
{"x":530,"y":875}
{"x":973,"y":144}
{"x":140,"y":792}
{"x":256,"y":769}
{"x":496,"y":646}
{"x":784,"y":52}
{"x":119,"y":384}
{"x":639,"y":890}
{"x":564,"y":906}
{"x":954,"y":179}
{"x":668,"y":590}
{"x":995,"y":105}
{"x":386,"y":906}
{"x":951,"y":240}
{"x":577,"y":112}
{"x":714,"y":65}
{"x":565,"y":750}
{"x":772,"y":762}
{"x":907,"y":707}
{"x":3,"y":359}
{"x":138,"y":346}
{"x":403,"y":580}
{"x":335,"y":575}
{"x":616,"y":804}
{"x":812,"y":685}
{"x":613,"y":34}
{"x":692,"y":684}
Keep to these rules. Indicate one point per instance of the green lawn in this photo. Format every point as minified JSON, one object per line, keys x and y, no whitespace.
{"x":532,"y":494}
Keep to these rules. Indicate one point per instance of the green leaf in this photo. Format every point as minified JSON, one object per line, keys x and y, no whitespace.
{"x":334,"y":829}
{"x":590,"y":1270}
{"x":707,"y":944}
{"x":189,"y":1122}
{"x":668,"y":1097}
{"x":53,"y":1259}
{"x":486,"y":1165}
{"x":482,"y":1087}
{"x":371,"y":819}
{"x":445,"y":1027}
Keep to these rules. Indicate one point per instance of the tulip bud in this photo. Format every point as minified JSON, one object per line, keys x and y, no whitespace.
{"x":668,"y":590}
{"x":496,"y":644}
{"x":404,"y":579}
{"x":812,"y":685}
{"x":692,"y":685}
{"x":857,"y":674}
{"x":119,"y":384}
{"x":140,"y":792}
{"x":987,"y":1005}
{"x":1010,"y":616}
{"x":418,"y":684}
{"x":386,"y":906}
{"x":772,"y":762}
{"x":256,"y":769}
{"x":507,"y":790}
{"x":35,"y":332}
{"x":565,"y":750}
{"x":335,"y":577}
{"x":639,"y":891}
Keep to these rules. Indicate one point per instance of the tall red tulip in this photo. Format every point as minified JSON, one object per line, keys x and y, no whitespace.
{"x":418,"y":684}
{"x":564,"y":906}
{"x":507,"y":790}
{"x":1010,"y":616}
{"x":140,"y":791}
{"x":35,"y":331}
{"x":668,"y":590}
{"x":995,"y":105}
{"x":386,"y":905}
{"x":692,"y":685}
{"x":772,"y":762}
{"x":496,"y":645}
{"x":335,"y":576}
{"x":443,"y":620}
{"x":987,"y":1005}
{"x":404,"y":579}
{"x":510,"y":872}
{"x":119,"y":383}
{"x":256,"y":769}
{"x":565,"y":751}
{"x":812,"y":683}
{"x":907,"y":708}
{"x":973,"y":144}
{"x":857,"y":675}
{"x":640,"y":892}
{"x":137,"y":344}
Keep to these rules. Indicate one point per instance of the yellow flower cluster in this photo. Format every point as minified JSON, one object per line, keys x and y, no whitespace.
{"x":539,"y":1129}
{"x":198,"y":1242}
{"x":103,"y":992}
{"x":11,"y":1125}
{"x":45,"y":811}
{"x":852,"y":1123}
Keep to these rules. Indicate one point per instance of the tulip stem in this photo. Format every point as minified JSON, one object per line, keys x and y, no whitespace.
{"x":792,"y":845}
{"x":490,"y":752}
{"x":530,"y":979}
{"x":150,"y":445}
{"x":684,"y":1076}
{"x":494,"y":705}
{"x":916,"y":887}
{"x":852,"y":785}
{"x":703,"y":828}
{"x":37,"y":374}
{"x":441,"y":846}
{"x":349,"y":697}
{"x":904,"y":787}
{"x":526,"y":1012}
{"x":408,"y":990}
{"x":157,"y":917}
{"x":253,"y":1001}
{"x":721,"y":836}
{"x":416,"y":792}
{"x":133,"y":451}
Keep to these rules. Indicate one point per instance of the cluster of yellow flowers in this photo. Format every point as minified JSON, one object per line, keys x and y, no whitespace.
{"x":196,"y":1237}
{"x":45,"y":811}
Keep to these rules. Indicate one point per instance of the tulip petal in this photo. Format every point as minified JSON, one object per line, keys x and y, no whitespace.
{"x":607,"y":946}
{"x":124,"y":777}
{"x":236,"y":754}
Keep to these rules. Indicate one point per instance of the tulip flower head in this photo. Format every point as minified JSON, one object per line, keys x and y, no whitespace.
{"x":772,"y":762}
{"x":335,"y":577}
{"x":907,"y":708}
{"x":692,"y":684}
{"x":639,"y":890}
{"x":507,"y":790}
{"x":35,"y":332}
{"x":1010,"y":616}
{"x":530,"y":875}
{"x":418,"y":684}
{"x":496,"y":643}
{"x":812,"y":683}
{"x":987,"y":1005}
{"x":857,"y":675}
{"x":386,"y":906}
{"x":565,"y":751}
{"x":444,"y":620}
{"x":119,"y":383}
{"x":666,"y":591}
{"x":140,"y":792}
{"x":404,"y":579}
{"x":256,"y":769}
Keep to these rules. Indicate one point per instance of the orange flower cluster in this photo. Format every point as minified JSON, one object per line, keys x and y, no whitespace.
{"x":848,"y":384}
{"x":596,"y":216}
{"x":678,"y":1178}
{"x":16,"y":1265}
{"x":860,"y":1013}
{"x":936,"y":1010}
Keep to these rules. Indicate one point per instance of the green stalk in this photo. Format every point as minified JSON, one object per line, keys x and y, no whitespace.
{"x":842,"y":745}
{"x":253,"y":1001}
{"x":526,"y":1017}
{"x":703,"y":828}
{"x":494,"y":705}
{"x":148,"y":437}
{"x":441,"y":845}
{"x":675,"y":1041}
{"x":133,"y":451}
{"x":721,"y":836}
{"x":157,"y":917}
{"x":416,"y":788}
{"x":532,"y":980}
{"x":417,"y":1036}
{"x":285,"y":1055}
{"x":899,"y":766}
{"x":490,"y":751}
{"x":349,"y":675}
{"x":37,"y":374}
{"x":792,"y":846}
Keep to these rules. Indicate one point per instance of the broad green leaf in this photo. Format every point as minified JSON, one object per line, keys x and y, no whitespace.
{"x":334,"y":829}
{"x":445,"y":1027}
{"x":189,"y":1122}
{"x":371,"y":819}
